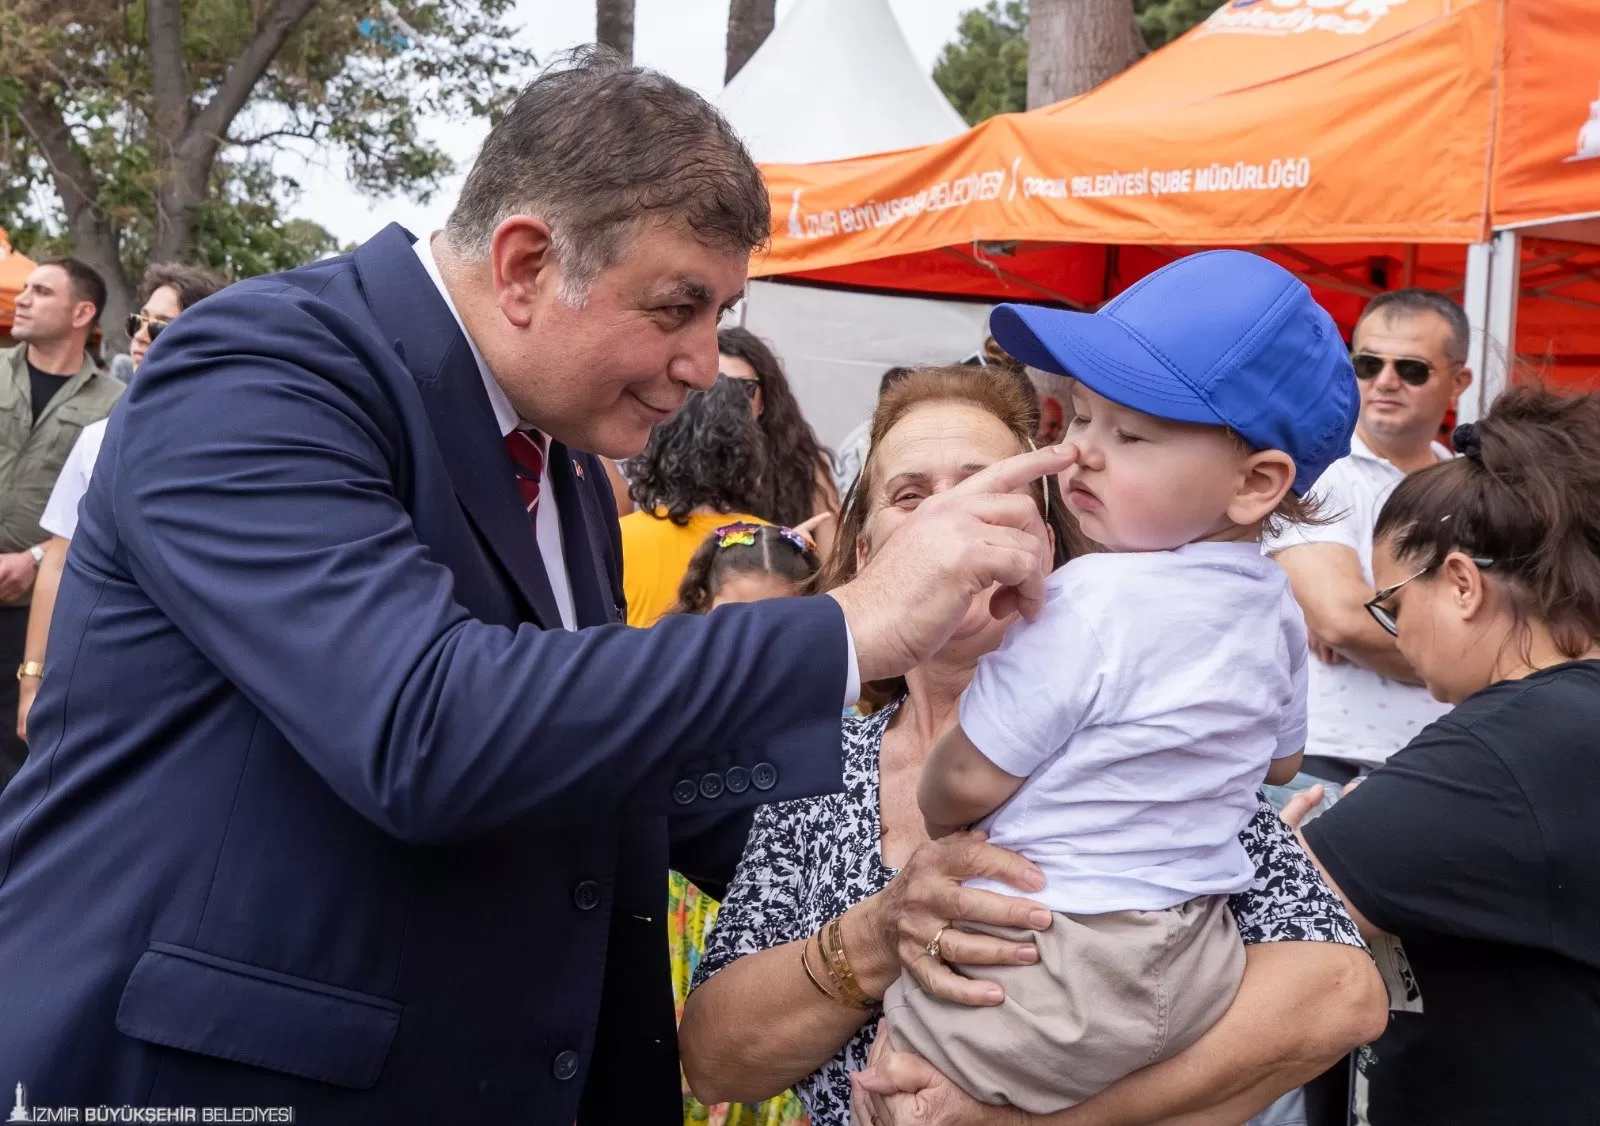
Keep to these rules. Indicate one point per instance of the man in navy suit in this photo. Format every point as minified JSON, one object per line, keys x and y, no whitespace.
{"x":348,"y":792}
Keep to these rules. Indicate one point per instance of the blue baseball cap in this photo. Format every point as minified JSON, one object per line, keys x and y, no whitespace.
{"x":1223,"y":337}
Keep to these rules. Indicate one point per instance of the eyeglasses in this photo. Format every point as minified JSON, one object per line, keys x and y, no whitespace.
{"x":136,"y":321}
{"x":1412,"y":372}
{"x":1389,"y":619}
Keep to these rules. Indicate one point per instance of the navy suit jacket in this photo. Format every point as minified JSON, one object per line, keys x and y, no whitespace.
{"x":323,"y":809}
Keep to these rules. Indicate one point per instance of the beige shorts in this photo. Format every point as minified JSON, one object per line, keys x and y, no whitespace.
{"x":1109,"y":994}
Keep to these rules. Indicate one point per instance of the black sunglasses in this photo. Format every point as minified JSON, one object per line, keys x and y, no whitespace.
{"x":136,"y":321}
{"x":1411,"y":372}
{"x":1386,"y":617}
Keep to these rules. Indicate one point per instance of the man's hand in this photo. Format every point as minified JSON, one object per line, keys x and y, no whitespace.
{"x":17,"y":571}
{"x":909,"y":598}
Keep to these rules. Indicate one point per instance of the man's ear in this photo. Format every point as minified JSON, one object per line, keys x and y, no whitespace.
{"x":83,"y":315}
{"x":526,"y":272}
{"x":1463,"y":381}
{"x":1264,"y":481}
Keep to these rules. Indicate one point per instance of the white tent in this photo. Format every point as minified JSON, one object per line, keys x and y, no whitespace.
{"x":836,"y":79}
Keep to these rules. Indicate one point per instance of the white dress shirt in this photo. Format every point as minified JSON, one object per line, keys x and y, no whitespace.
{"x":548,"y":520}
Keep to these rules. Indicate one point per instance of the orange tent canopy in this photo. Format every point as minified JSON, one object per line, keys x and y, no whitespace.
{"x":1365,"y":144}
{"x":14,"y":270}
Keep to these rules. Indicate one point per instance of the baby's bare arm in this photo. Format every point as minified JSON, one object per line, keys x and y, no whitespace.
{"x":960,"y":786}
{"x":1283,"y":770}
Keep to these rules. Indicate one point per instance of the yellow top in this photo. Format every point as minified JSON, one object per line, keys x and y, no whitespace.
{"x":655,"y":557}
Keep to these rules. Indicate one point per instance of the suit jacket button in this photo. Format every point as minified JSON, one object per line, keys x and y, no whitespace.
{"x":685,"y":792}
{"x":565,"y":1065}
{"x":711,"y":785}
{"x":586,"y":895}
{"x":737,"y":779}
{"x":764,"y":776}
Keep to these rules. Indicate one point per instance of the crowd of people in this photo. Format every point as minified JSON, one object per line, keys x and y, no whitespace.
{"x":1268,"y":690}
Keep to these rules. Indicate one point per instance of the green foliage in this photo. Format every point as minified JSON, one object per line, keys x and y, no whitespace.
{"x":350,"y":86}
{"x":985,"y":70}
{"x":1162,"y":21}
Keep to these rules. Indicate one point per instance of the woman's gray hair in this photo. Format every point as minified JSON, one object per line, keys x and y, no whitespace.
{"x":595,"y":147}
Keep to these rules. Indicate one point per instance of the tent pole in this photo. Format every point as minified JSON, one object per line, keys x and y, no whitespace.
{"x":1408,"y":267}
{"x":1475,"y":300}
{"x":1505,"y":287}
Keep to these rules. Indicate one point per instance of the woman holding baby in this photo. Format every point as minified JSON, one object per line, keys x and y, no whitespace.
{"x":838,"y":896}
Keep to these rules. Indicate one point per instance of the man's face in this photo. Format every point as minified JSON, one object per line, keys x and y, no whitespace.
{"x":599,"y":377}
{"x":47,"y":309}
{"x":1391,"y":408}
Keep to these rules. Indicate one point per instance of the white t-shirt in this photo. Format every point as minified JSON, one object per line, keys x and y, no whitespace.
{"x":1356,"y":714}
{"x":1143,"y":707}
{"x":61,"y":510}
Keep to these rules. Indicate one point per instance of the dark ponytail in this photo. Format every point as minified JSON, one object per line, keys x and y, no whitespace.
{"x":1525,"y":493}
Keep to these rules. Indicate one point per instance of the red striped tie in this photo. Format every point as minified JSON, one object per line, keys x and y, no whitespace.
{"x":526,"y":448}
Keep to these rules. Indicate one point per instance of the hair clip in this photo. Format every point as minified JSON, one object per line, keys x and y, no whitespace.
{"x":741,"y":534}
{"x":800,"y":541}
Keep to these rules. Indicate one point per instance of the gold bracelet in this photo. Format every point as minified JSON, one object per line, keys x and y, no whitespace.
{"x":30,"y":668}
{"x":805,"y":964}
{"x":838,"y":963}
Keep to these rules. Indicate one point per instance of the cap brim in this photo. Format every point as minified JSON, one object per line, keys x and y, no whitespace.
{"x":1098,"y":352}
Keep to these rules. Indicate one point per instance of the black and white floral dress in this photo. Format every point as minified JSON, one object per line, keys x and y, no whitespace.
{"x":806,"y":861}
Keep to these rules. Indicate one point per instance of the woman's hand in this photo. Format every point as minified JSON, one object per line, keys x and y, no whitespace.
{"x":897,"y":1089}
{"x":927,"y":899}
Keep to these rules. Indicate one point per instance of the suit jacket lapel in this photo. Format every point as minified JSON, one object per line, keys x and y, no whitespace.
{"x":424,"y":333}
{"x":581,"y":539}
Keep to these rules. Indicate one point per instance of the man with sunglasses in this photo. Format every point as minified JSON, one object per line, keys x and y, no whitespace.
{"x":50,"y":389}
{"x":1409,"y":350}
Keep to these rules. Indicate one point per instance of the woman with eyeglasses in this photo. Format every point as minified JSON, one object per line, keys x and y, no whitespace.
{"x":167,"y":290}
{"x":1471,"y":859}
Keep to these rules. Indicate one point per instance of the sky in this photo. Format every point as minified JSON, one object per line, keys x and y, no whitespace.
{"x":683,"y":38}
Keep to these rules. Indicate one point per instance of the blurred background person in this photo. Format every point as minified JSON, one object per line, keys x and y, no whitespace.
{"x":799,"y":470}
{"x":853,"y":450}
{"x":704,"y":467}
{"x":1365,"y":700}
{"x":50,"y":389}
{"x":167,"y":290}
{"x":1474,"y":846}
{"x":739,"y":562}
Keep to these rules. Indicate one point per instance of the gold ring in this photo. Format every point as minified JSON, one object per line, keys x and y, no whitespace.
{"x":933,"y":946}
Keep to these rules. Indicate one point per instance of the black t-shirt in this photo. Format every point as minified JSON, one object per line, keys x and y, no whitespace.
{"x":1478,"y":846}
{"x":42,"y":387}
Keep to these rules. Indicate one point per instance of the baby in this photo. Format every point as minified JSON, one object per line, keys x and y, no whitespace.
{"x":1118,"y":741}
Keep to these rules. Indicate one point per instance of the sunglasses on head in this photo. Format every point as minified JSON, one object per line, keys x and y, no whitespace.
{"x":1414,"y":373}
{"x":136,"y":321}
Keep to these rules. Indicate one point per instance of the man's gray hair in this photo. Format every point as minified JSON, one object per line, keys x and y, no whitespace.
{"x":595,"y":147}
{"x":1410,"y":302}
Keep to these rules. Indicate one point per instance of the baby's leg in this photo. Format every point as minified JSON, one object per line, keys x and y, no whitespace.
{"x":1110,"y":994}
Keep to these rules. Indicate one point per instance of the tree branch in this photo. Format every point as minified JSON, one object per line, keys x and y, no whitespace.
{"x":169,"y":77}
{"x":73,"y":177}
{"x":211,"y":123}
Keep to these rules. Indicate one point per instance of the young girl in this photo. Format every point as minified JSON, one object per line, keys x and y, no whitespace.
{"x":738,"y":562}
{"x":745,"y":562}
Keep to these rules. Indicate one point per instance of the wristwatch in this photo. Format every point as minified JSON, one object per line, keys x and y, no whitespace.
{"x":30,"y":668}
{"x":37,"y":551}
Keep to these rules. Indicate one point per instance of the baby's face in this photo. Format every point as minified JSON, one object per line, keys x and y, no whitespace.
{"x":1146,"y":484}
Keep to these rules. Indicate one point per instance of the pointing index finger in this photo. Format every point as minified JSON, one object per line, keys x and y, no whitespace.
{"x":1019,"y":470}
